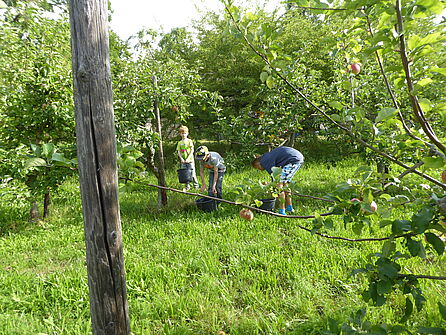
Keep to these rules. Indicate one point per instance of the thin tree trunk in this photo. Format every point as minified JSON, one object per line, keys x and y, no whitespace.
{"x":46,"y":204}
{"x":96,"y":149}
{"x":162,"y":194}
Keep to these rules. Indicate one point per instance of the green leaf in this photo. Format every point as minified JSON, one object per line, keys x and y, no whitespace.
{"x":387,"y":269}
{"x":420,"y":220}
{"x":439,"y":70}
{"x":336,"y":105}
{"x":58,"y":157}
{"x":425,"y":105}
{"x":34,"y":162}
{"x":414,"y":246}
{"x":400,"y":226}
{"x":431,"y":38}
{"x":418,"y":297}
{"x":333,"y":325}
{"x":336,"y":117}
{"x":270,"y":82}
{"x":424,"y":82}
{"x":357,"y":227}
{"x":36,"y":149}
{"x":408,"y":310}
{"x":258,"y":203}
{"x":48,"y":149}
{"x":433,"y":162}
{"x":388,"y":248}
{"x":346,"y":85}
{"x":413,"y":41}
{"x":385,"y":114}
{"x":384,"y":287}
{"x":264,"y":76}
{"x":434,"y":6}
{"x":436,"y":242}
{"x":276,"y":172}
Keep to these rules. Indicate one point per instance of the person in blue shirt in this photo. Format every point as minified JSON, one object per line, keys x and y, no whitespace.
{"x":290,"y":160}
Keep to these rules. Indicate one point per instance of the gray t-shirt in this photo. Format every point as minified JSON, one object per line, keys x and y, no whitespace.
{"x":214,"y":160}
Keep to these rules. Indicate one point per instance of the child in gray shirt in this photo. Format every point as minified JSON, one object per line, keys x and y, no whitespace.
{"x":216,"y":165}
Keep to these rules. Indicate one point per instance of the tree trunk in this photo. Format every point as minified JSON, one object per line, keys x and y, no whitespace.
{"x":96,"y":150}
{"x":34,"y":212}
{"x":46,"y":204}
{"x":162,"y":193}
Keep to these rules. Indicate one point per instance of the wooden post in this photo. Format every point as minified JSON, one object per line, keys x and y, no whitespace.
{"x":96,"y":150}
{"x":162,"y":194}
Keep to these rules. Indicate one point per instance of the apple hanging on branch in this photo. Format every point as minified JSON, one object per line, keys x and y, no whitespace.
{"x":356,"y":68}
{"x":246,"y":214}
{"x":443,"y":176}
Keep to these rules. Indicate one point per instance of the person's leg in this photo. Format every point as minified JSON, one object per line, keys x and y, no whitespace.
{"x":288,"y":202}
{"x":288,"y":172}
{"x":194,"y":176}
{"x":281,"y":199}
{"x":219,"y":186}
{"x":211,"y":182}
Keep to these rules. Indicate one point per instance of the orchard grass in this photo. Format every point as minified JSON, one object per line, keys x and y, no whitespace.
{"x":190,"y":272}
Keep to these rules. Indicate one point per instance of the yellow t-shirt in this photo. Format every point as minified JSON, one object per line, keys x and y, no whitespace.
{"x":186,"y":149}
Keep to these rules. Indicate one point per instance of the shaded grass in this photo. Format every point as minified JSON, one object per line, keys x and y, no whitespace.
{"x":190,"y":272}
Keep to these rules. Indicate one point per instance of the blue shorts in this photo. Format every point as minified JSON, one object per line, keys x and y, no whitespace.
{"x":288,"y":171}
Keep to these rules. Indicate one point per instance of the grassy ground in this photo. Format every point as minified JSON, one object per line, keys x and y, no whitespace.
{"x":190,"y":272}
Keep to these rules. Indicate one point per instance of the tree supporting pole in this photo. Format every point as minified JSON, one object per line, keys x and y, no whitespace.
{"x":96,"y":150}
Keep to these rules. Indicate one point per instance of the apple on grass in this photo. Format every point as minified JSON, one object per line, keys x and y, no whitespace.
{"x":246,"y":214}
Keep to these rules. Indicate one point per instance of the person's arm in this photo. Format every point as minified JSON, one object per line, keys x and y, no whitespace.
{"x":214,"y":184}
{"x":179,"y":155}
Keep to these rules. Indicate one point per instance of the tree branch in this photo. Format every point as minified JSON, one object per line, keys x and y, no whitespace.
{"x":371,"y":239}
{"x":389,"y":89}
{"x":417,"y":110}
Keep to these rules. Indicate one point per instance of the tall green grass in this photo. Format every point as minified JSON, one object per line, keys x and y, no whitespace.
{"x":190,"y":272}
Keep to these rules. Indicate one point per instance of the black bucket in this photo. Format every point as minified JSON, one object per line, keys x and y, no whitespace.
{"x":268,"y":204}
{"x":206,"y":205}
{"x":185,"y":176}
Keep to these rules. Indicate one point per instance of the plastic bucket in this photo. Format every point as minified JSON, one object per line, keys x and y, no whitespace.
{"x":184,"y":175}
{"x":206,"y":205}
{"x":268,"y":204}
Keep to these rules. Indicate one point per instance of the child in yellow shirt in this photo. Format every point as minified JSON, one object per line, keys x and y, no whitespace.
{"x":185,"y":151}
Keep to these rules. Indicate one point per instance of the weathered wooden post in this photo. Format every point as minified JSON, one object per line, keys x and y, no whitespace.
{"x":96,"y":150}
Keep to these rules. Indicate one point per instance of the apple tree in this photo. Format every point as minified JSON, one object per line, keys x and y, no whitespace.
{"x":393,"y":108}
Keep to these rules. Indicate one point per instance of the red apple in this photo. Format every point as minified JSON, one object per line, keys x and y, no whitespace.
{"x":246,"y":214}
{"x":175,"y":109}
{"x":373,"y":206}
{"x":355,"y":200}
{"x":443,"y":176}
{"x":356,"y":68}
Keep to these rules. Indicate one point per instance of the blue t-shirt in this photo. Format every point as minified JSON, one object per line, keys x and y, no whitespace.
{"x":280,"y":157}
